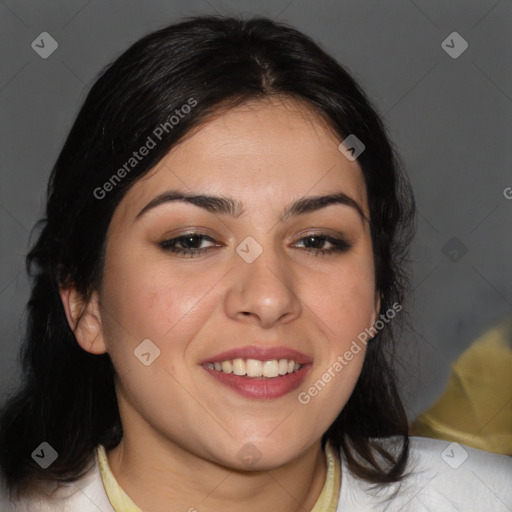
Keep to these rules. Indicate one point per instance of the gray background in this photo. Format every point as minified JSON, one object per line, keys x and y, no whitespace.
{"x":451,"y":120}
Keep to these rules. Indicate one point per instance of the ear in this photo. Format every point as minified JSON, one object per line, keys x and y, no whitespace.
{"x":376,"y":307}
{"x":84,"y":320}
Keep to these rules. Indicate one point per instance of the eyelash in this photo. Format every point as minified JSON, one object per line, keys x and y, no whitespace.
{"x":340,"y":245}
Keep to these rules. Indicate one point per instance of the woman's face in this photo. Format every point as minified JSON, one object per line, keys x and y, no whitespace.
{"x":265,"y":287}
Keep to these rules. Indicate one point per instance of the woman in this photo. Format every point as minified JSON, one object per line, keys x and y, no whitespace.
{"x":216,"y":287}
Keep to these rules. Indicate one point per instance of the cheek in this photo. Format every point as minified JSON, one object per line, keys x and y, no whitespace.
{"x":348,"y":308}
{"x":156,"y":302}
{"x":145,"y":299}
{"x":345,"y":302}
{"x":140,"y":304}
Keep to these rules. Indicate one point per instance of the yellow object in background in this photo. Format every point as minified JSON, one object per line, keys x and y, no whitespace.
{"x":476,"y":407}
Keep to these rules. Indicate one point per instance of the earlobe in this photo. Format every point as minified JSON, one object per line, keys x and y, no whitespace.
{"x":84,"y":319}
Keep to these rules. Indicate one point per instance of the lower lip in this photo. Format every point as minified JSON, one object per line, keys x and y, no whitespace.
{"x":255,"y":387}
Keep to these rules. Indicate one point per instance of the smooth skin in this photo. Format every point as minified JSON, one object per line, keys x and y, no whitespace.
{"x":182,"y":428}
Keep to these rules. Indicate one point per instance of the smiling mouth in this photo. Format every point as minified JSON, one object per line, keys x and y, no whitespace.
{"x":260,"y":380}
{"x":255,"y":368}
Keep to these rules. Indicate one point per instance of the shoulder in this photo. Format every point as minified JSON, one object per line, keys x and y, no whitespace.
{"x":83,"y":495}
{"x":441,"y":475}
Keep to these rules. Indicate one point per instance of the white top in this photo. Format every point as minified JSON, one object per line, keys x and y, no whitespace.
{"x":445,"y":477}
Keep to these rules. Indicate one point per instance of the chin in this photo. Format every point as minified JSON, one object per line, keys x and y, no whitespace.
{"x":263,"y":454}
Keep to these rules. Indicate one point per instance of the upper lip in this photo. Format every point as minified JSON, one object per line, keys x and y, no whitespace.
{"x":260,"y":353}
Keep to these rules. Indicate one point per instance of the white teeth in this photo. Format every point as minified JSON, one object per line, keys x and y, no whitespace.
{"x":227,"y":367}
{"x":256,"y":368}
{"x":239,"y":367}
{"x":270,"y":368}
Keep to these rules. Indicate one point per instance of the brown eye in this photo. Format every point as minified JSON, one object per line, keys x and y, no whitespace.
{"x":314,"y":242}
{"x":187,"y":244}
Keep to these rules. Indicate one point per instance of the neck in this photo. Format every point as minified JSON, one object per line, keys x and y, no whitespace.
{"x":155,"y":473}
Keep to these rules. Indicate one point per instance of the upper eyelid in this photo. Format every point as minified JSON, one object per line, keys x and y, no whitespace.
{"x":208,"y":238}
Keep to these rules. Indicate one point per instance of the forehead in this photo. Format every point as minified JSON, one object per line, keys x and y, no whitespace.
{"x":262,"y":153}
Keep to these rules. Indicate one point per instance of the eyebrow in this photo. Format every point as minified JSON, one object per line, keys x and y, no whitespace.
{"x":234,"y":208}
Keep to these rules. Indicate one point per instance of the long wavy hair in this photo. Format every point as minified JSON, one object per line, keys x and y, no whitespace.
{"x":67,"y":395}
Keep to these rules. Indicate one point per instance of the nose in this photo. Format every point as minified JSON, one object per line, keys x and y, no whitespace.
{"x":264,"y":291}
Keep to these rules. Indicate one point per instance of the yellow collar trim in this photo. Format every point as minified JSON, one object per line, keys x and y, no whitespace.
{"x":327,"y":501}
{"x":116,"y":495}
{"x":329,"y":497}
